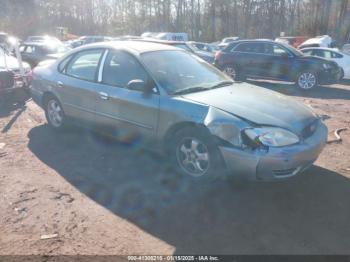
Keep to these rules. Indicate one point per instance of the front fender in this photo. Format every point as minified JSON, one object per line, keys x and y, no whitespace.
{"x":225,"y":126}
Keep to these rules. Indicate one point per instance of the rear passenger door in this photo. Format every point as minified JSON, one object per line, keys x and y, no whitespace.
{"x":76,"y":85}
{"x":249,"y":58}
{"x":126,"y":113}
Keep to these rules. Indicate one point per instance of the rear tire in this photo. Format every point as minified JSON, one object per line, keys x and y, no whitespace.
{"x":307,"y":80}
{"x":54,"y":113}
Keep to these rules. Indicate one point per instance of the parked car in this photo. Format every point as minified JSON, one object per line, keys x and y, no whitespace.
{"x":43,"y":38}
{"x":206,"y":56}
{"x":178,"y":104}
{"x":35,"y":52}
{"x":294,"y":41}
{"x":266,"y":59}
{"x":342,"y":59}
{"x":346,"y":49}
{"x":319,"y":41}
{"x":172,"y":36}
{"x":227,"y":41}
{"x":94,"y":39}
{"x":7,"y":41}
{"x":76,"y":43}
{"x":10,"y":76}
{"x":202,"y":46}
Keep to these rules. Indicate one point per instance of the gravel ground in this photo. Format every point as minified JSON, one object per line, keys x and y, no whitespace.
{"x":96,"y":196}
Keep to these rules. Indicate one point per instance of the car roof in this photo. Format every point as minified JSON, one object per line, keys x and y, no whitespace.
{"x":133,"y":46}
{"x":253,"y":41}
{"x":257,"y":40}
{"x":40,"y":43}
{"x":159,"y":41}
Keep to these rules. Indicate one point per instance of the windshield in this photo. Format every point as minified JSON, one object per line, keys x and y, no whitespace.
{"x":178,"y":71}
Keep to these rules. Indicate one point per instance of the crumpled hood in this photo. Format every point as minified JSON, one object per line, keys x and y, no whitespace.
{"x":258,"y":105}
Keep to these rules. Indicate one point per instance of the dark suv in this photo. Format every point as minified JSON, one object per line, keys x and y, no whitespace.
{"x":266,"y":59}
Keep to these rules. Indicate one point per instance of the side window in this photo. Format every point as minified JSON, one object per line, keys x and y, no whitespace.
{"x":279,"y":51}
{"x":22,"y":48}
{"x":63,"y":64}
{"x":336,"y":55}
{"x":30,"y":49}
{"x":120,"y":68}
{"x":327,"y":54}
{"x":319,"y":53}
{"x":249,"y":48}
{"x":307,"y":52}
{"x":84,"y":65}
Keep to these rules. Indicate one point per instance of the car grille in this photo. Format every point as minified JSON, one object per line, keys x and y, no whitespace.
{"x":284,"y":172}
{"x":310,"y":129}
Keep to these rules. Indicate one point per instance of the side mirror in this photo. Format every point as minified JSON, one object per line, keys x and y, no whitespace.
{"x":142,"y":86}
{"x":137,"y":85}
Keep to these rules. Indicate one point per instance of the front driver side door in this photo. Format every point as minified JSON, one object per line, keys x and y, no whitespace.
{"x":128,"y":114}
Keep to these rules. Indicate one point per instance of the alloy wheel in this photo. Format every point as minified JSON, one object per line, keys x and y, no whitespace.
{"x":231,"y":72}
{"x":193,"y":156}
{"x":55,"y":113}
{"x":307,"y":81}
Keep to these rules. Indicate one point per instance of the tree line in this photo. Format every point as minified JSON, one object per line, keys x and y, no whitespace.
{"x":204,"y":20}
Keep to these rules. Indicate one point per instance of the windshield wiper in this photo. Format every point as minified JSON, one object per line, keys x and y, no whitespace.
{"x":221,"y":84}
{"x":190,"y":90}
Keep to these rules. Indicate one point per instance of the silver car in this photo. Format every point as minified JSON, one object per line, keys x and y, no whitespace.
{"x":174,"y":102}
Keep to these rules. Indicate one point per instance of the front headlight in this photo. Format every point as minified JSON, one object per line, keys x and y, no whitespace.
{"x":272,"y":136}
{"x":326,"y":66}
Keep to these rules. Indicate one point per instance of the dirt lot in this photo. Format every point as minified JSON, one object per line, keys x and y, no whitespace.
{"x":103,"y":197}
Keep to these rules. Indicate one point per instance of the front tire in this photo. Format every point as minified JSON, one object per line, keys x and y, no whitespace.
{"x":307,"y":80}
{"x":196,"y":155}
{"x":54,"y":114}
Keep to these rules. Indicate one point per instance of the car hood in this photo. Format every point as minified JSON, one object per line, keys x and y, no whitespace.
{"x":257,"y":105}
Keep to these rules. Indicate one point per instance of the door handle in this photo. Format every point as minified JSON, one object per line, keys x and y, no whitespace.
{"x":60,"y":84}
{"x":103,"y":95}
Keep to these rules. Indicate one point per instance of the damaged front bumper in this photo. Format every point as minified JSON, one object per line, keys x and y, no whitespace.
{"x":276,"y":163}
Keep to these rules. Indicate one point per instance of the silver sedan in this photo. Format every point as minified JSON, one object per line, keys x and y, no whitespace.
{"x":167,"y":99}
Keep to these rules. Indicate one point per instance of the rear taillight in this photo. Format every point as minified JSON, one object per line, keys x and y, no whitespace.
{"x":217,"y":55}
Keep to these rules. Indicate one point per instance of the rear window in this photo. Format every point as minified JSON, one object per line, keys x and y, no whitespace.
{"x":84,"y":65}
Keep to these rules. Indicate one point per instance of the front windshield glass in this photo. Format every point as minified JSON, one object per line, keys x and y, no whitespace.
{"x":178,"y":71}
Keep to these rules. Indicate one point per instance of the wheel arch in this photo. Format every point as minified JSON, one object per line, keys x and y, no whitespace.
{"x":176,"y":128}
{"x":46,"y":96}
